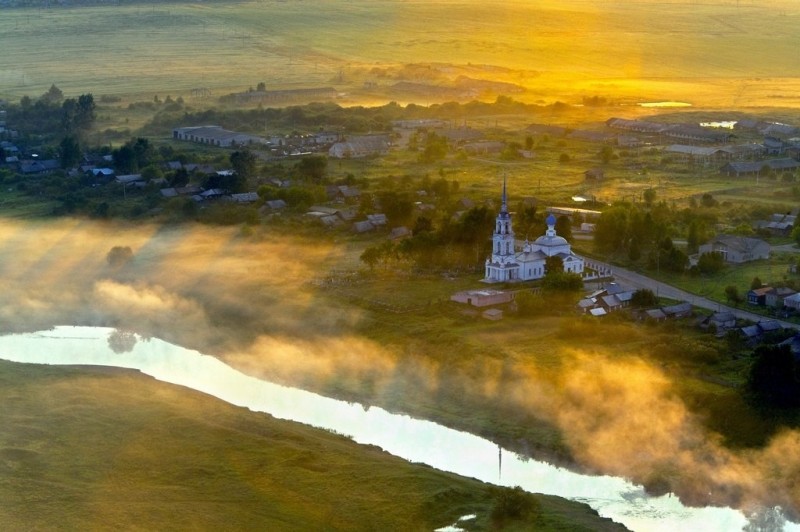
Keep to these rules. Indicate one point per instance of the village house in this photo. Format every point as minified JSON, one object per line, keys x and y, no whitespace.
{"x":215,"y":136}
{"x":758,"y":296}
{"x":739,"y":168}
{"x":483,"y":298}
{"x":44,"y":166}
{"x":680,"y":310}
{"x":792,"y":302}
{"x":777,"y":296}
{"x":778,"y":224}
{"x":736,"y":249}
{"x":360,"y":146}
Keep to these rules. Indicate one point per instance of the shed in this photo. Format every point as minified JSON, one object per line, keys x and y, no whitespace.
{"x":655,"y":314}
{"x":681,"y":310}
{"x":493,"y":314}
{"x":275,"y":205}
{"x":482,"y":298}
{"x":363,"y":226}
{"x":245,"y":197}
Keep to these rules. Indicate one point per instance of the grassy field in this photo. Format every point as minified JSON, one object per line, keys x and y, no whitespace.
{"x":721,"y":53}
{"x":98,"y":449}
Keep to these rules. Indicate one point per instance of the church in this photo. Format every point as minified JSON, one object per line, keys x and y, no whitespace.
{"x":507,"y":264}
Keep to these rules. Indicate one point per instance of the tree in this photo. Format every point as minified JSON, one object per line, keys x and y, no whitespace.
{"x":398,"y":207}
{"x":371,"y":256}
{"x":313,"y":167}
{"x":134,"y":154}
{"x":85,"y":116}
{"x":695,"y":236}
{"x":69,"y":150}
{"x":773,"y":379}
{"x":644,"y":297}
{"x":756,"y":283}
{"x":563,"y":281}
{"x":261,"y":87}
{"x":152,"y":171}
{"x":529,"y":143}
{"x":563,"y":227}
{"x":732,"y":295}
{"x":77,"y":116}
{"x":711,"y":263}
{"x":606,"y":153}
{"x":53,"y":96}
{"x":118,"y":256}
{"x":553,"y":265}
{"x":512,"y":504}
{"x":707,"y":200}
{"x":435,"y":148}
{"x":422,"y":225}
{"x":649,"y":196}
{"x":796,"y":234}
{"x":244,"y":163}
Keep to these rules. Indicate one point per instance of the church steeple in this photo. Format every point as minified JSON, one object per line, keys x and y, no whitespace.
{"x":504,"y":204}
{"x":503,"y":233}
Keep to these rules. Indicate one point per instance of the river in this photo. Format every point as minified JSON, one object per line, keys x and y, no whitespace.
{"x":413,"y":439}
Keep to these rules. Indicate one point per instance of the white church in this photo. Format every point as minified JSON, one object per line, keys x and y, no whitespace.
{"x":507,"y":264}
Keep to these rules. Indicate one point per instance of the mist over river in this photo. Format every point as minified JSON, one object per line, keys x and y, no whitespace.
{"x":412,"y":439}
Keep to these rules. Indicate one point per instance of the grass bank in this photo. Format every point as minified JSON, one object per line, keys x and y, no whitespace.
{"x":91,"y":448}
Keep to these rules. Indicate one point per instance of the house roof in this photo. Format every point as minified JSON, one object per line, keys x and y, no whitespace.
{"x":677,"y":309}
{"x":769,"y":325}
{"x":363,"y":226}
{"x":742,"y":244}
{"x":751,"y":331}
{"x":723,"y":316}
{"x":245,"y":197}
{"x":764,"y":290}
{"x":275,"y":204}
{"x":656,"y":314}
{"x":129,"y":178}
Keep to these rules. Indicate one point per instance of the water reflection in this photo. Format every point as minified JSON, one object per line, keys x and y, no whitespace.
{"x":413,"y":439}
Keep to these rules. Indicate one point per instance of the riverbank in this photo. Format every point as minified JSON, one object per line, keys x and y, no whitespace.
{"x":77,"y":441}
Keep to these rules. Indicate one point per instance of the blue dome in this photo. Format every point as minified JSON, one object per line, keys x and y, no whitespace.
{"x":551,"y":220}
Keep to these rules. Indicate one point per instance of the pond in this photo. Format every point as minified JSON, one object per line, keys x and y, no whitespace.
{"x":415,"y":440}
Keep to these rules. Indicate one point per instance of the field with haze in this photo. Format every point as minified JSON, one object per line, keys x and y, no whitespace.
{"x":660,"y":403}
{"x":611,"y":397}
{"x":721,"y":53}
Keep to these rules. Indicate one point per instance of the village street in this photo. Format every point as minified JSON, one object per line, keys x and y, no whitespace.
{"x":631,"y":279}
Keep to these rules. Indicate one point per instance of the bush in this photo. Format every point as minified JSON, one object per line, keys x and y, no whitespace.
{"x":773,"y":377}
{"x":513,"y":504}
{"x":118,"y":256}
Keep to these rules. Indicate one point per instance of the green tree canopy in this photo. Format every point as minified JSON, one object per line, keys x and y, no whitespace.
{"x":244,"y":163}
{"x":313,"y":167}
{"x":69,"y":150}
{"x":773,"y":377}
